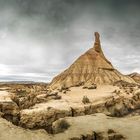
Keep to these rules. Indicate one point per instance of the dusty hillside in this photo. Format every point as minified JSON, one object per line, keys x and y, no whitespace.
{"x":90,"y":68}
{"x":135,"y":76}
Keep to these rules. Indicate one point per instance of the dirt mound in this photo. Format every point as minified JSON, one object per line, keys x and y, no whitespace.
{"x":91,"y":67}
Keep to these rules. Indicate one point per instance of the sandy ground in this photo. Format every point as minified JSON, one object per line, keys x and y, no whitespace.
{"x":74,"y":97}
{"x":5,"y":96}
{"x":128,"y":127}
{"x":76,"y":94}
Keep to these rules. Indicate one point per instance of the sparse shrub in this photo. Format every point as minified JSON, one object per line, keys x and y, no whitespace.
{"x":64,"y":88}
{"x":85,"y":100}
{"x":57,"y":97}
{"x":110,"y":131}
{"x":21,"y":93}
{"x":64,"y":91}
{"x":79,"y":84}
{"x":64,"y":125}
{"x":115,"y":91}
{"x":92,"y":86}
{"x":85,"y":87}
{"x":60,"y":126}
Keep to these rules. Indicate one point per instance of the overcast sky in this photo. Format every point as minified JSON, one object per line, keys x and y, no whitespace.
{"x":40,"y":38}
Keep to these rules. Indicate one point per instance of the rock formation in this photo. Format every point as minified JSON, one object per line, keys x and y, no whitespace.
{"x":81,"y":128}
{"x":75,"y":113}
{"x":116,"y":102}
{"x":135,"y":76}
{"x":91,"y":67}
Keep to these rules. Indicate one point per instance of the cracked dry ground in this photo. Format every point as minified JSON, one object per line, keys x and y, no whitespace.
{"x":112,"y":113}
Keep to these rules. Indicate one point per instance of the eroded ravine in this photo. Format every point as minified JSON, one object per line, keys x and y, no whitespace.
{"x":116,"y":106}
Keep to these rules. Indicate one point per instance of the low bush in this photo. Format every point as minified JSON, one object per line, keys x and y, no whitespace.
{"x":85,"y":100}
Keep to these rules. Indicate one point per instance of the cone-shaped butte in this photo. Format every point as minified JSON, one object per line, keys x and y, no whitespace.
{"x":91,"y":67}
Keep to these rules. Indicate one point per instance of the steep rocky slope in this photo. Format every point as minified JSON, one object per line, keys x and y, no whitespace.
{"x":135,"y":76}
{"x":90,"y":68}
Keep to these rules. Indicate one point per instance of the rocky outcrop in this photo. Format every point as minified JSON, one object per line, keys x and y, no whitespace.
{"x":41,"y":118}
{"x":8,"y":108}
{"x":122,"y":102}
{"x":10,"y":111}
{"x":135,"y":76}
{"x":11,"y":104}
{"x":27,"y":100}
{"x":90,"y":127}
{"x":101,"y":136}
{"x":91,"y":67}
{"x":124,"y":84}
{"x":117,"y":106}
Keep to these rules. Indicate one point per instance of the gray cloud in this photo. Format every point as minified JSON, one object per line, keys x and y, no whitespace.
{"x":39,"y":39}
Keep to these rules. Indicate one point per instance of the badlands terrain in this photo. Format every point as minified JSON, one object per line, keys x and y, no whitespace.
{"x":90,"y":100}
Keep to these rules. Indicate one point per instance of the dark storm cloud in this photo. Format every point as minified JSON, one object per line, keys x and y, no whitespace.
{"x":43,"y":37}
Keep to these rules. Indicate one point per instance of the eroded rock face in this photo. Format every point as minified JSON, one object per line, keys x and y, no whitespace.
{"x":12,"y":104}
{"x":123,"y":101}
{"x":28,"y":100}
{"x":10,"y":112}
{"x":135,"y":76}
{"x":91,"y":67}
{"x":8,"y":108}
{"x":44,"y":118}
{"x":41,"y":118}
{"x":116,"y":107}
{"x":43,"y":115}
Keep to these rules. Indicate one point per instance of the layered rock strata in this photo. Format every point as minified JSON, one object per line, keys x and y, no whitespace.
{"x":90,"y":68}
